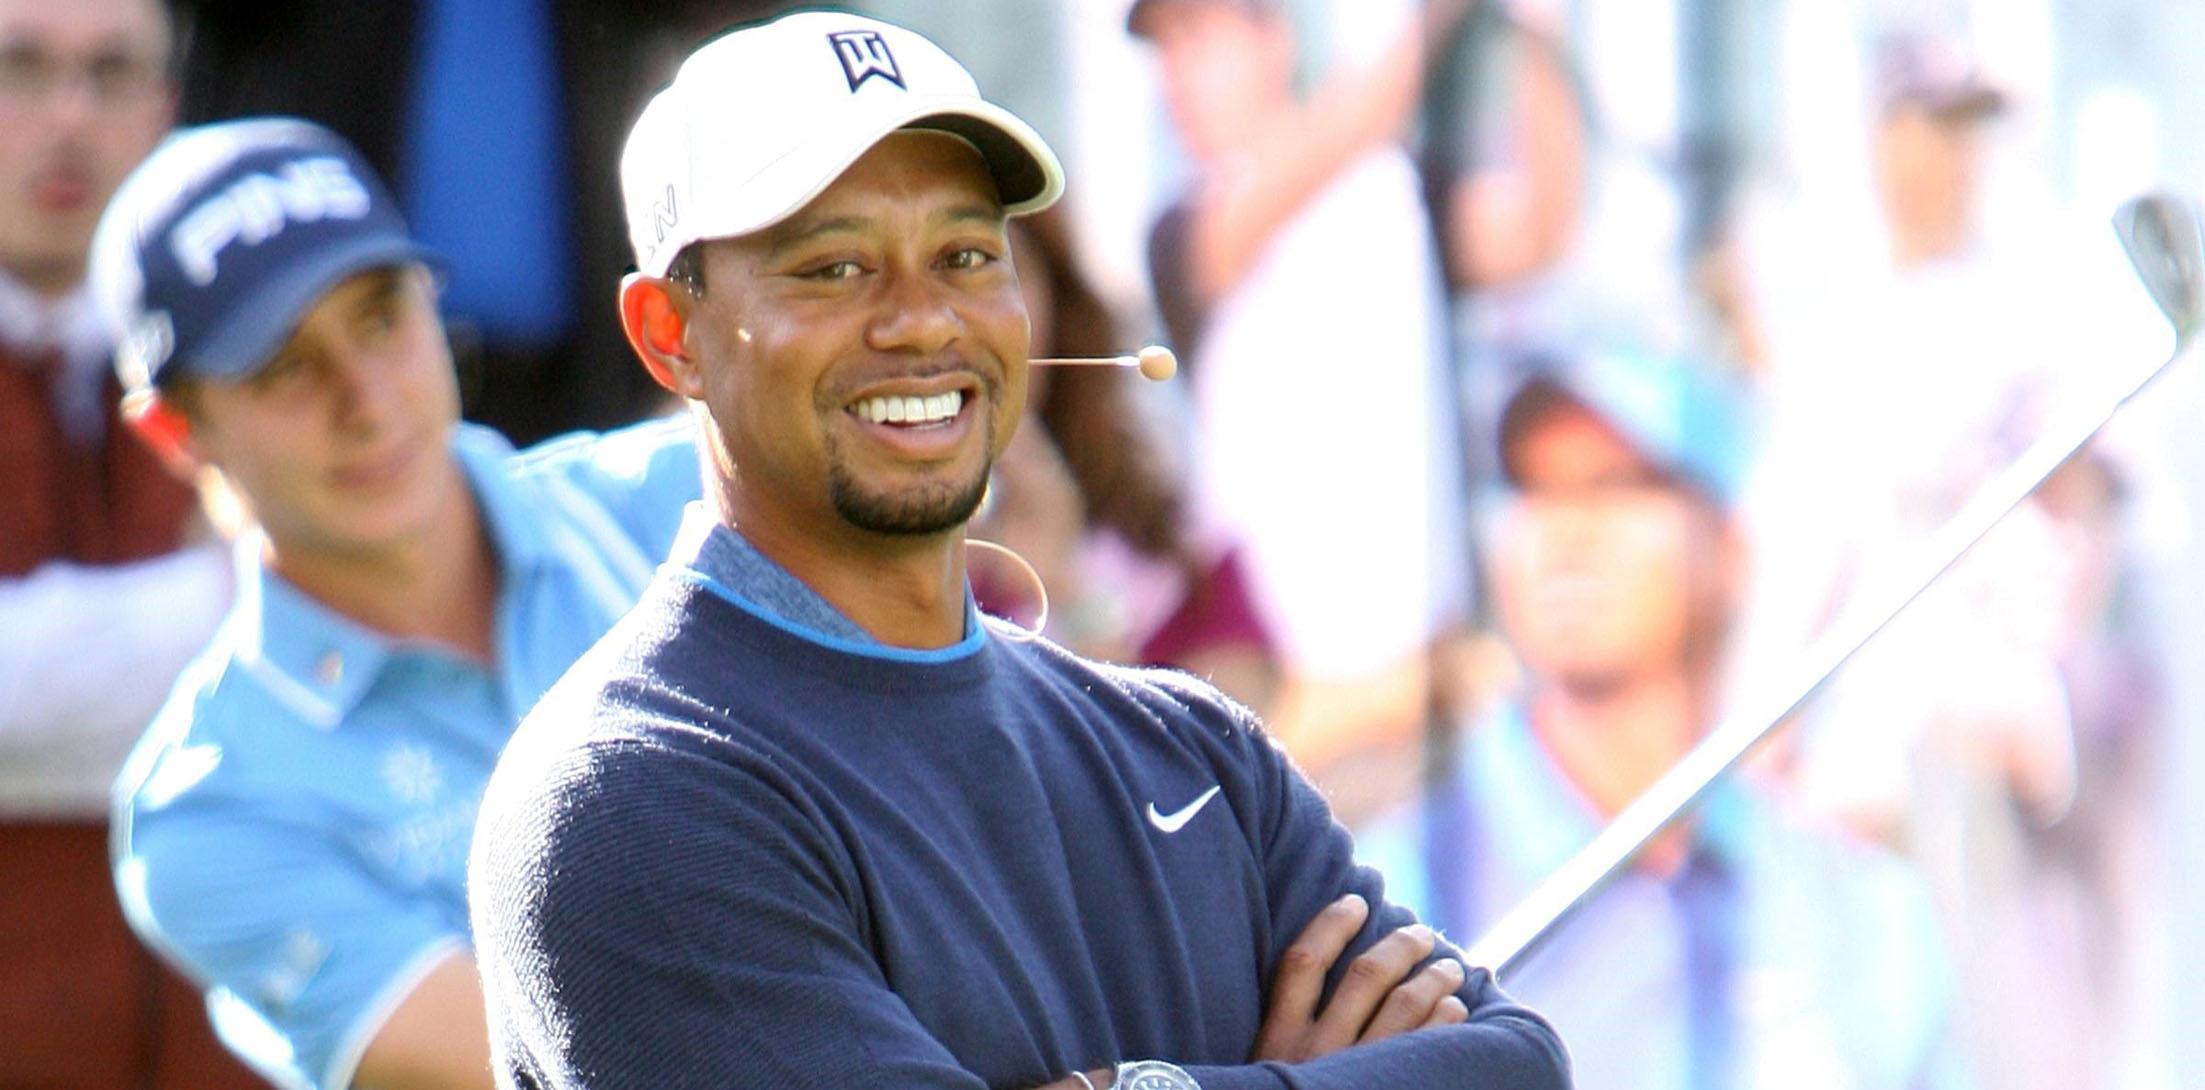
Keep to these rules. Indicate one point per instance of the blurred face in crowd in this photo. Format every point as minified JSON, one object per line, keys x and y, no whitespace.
{"x":1224,"y":68}
{"x":85,"y":93}
{"x":339,"y":446}
{"x":864,"y":361}
{"x":1927,"y":163}
{"x":1603,"y":568}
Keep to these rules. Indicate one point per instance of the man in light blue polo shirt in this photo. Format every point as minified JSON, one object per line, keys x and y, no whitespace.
{"x":294,"y":828}
{"x":1746,"y":949}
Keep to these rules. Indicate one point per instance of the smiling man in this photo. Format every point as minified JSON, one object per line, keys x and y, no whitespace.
{"x":805,"y":819}
{"x":293,"y":829}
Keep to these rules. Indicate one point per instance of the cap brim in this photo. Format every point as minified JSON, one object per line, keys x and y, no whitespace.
{"x":1967,"y":101}
{"x":1974,"y":101}
{"x":1670,"y":455}
{"x":1137,"y":18}
{"x":1025,"y":181}
{"x":245,"y":340}
{"x":1538,"y":399}
{"x":1027,"y":174}
{"x":1529,"y":405}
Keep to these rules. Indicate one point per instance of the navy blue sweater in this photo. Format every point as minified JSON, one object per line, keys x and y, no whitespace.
{"x":728,"y":851}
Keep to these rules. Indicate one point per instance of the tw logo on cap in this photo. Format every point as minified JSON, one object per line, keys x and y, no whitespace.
{"x":256,"y":208}
{"x":864,"y":54}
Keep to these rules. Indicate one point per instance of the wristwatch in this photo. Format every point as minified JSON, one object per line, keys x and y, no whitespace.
{"x":1153,"y":1075}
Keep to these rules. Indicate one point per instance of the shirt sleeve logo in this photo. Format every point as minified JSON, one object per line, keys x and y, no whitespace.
{"x":864,"y":54}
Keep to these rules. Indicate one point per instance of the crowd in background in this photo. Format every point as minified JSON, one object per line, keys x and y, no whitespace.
{"x":1555,"y":372}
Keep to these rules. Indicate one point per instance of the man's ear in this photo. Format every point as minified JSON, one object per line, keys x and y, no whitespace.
{"x":164,"y":428}
{"x":658,"y":332}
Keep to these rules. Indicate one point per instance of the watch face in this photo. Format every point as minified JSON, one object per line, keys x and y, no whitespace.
{"x":1159,"y":1080}
{"x":1153,"y":1075}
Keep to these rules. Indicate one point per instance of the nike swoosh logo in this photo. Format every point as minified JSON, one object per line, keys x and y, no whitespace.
{"x":1178,"y":819}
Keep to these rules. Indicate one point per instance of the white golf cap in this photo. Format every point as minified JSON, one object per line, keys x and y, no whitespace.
{"x":757,"y":122}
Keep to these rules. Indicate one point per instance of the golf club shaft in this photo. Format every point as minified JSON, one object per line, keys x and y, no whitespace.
{"x":1766,"y":707}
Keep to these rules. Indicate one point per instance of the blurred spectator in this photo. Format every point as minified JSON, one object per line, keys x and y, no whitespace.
{"x":1089,"y":493}
{"x":1506,"y":167}
{"x":499,"y":123}
{"x":1961,"y":733}
{"x":1300,"y":282}
{"x":101,"y":599}
{"x":293,"y":829}
{"x":1513,"y":154}
{"x":1746,"y":947}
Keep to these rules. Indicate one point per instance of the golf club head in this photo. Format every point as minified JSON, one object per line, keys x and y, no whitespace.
{"x":2160,"y":233}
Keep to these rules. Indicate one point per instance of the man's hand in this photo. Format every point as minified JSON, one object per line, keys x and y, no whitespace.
{"x":1374,"y":1001}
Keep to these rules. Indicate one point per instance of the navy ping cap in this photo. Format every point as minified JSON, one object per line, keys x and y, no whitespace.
{"x":219,"y":243}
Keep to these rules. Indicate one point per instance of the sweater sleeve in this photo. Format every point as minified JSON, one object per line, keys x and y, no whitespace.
{"x":1309,"y":861}
{"x":648,"y":917}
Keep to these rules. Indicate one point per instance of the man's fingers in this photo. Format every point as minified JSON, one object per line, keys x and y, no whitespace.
{"x":1370,"y":979}
{"x":1451,"y":1011}
{"x":1413,"y":1004}
{"x":1301,"y":976}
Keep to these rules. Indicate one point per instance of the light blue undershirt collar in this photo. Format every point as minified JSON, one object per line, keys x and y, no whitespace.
{"x":318,"y":661}
{"x":725,"y":563}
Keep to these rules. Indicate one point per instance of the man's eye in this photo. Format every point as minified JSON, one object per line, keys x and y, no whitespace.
{"x":281,"y":374}
{"x":833,"y":270}
{"x":26,"y":72}
{"x":379,"y":320}
{"x":971,"y":257}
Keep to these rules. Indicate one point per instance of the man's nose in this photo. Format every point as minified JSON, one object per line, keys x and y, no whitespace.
{"x":367,"y":389}
{"x":73,"y":102}
{"x":916,"y":315}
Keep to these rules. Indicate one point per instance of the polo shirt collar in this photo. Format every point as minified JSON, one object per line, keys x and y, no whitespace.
{"x":312,"y":659}
{"x":516,"y":526}
{"x":30,"y":322}
{"x":32,"y":325}
{"x":319,"y":662}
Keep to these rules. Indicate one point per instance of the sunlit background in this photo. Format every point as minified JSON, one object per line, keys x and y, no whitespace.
{"x":1745,"y":130}
{"x":1880,"y":230}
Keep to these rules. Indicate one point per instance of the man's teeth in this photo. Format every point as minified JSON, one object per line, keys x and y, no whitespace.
{"x":910,"y":410}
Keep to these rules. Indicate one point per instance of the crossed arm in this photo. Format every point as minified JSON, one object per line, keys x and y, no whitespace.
{"x":436,"y":1040}
{"x":617,"y":951}
{"x":1382,"y":993}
